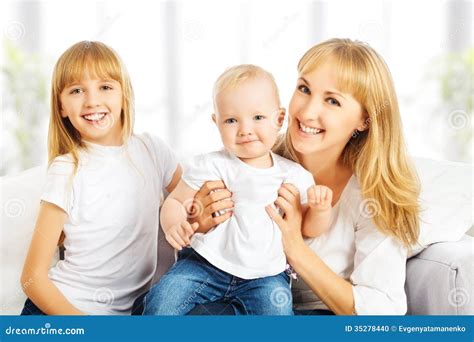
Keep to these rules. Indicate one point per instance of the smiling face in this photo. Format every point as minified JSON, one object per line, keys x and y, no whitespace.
{"x":248,"y":116}
{"x":94,"y":107}
{"x":322,"y":118}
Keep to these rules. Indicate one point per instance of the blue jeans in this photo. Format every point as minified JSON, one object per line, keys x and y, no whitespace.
{"x":194,"y":281}
{"x":30,"y":309}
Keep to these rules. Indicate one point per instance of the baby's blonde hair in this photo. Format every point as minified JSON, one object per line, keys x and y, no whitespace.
{"x":378,"y":155}
{"x":239,"y":74}
{"x":101,"y":61}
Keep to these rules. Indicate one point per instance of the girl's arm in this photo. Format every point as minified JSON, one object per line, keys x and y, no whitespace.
{"x":332,"y":289}
{"x":40,"y":288}
{"x":175,"y":180}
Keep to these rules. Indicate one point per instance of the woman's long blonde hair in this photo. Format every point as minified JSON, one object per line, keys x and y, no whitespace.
{"x":99,"y":60}
{"x":377,"y":156}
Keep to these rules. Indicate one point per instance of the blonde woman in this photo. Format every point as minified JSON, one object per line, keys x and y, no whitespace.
{"x":102,"y":192}
{"x":345,"y":129}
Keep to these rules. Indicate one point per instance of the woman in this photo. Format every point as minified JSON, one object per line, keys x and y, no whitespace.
{"x":345,"y":128}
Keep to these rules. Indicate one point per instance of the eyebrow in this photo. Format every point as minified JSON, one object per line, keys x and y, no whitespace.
{"x":335,"y":93}
{"x":78,"y":83}
{"x":223,"y":114}
{"x":330,"y":92}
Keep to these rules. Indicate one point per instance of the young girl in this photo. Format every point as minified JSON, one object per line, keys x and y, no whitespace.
{"x":345,"y":91}
{"x":103,"y":190}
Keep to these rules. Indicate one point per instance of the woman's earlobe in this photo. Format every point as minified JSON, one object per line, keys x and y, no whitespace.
{"x":364,"y":125}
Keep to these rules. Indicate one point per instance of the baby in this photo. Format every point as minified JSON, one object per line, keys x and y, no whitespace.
{"x":240,"y":261}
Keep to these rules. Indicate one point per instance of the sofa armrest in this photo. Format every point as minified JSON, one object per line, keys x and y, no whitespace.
{"x":440,"y":280}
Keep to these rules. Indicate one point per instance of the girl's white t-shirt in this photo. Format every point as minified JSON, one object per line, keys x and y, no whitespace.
{"x":111,"y":233}
{"x":248,"y":245}
{"x":357,"y":251}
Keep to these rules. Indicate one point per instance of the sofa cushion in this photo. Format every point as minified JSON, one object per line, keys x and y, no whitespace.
{"x":446,"y":201}
{"x":20,"y":204}
{"x":440,"y":280}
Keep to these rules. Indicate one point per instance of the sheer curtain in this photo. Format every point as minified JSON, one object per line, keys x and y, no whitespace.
{"x":174,"y":50}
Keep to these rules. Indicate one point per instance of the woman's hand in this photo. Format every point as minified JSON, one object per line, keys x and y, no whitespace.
{"x":290,"y":223}
{"x":210,"y":199}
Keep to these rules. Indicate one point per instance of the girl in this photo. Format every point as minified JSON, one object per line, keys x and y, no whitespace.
{"x":103,"y":190}
{"x":345,"y":93}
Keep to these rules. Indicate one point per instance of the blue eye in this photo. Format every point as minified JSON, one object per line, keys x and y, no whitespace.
{"x":304,"y":89}
{"x":75,"y":91}
{"x":230,"y":121}
{"x":259,"y":117}
{"x":333,"y":101}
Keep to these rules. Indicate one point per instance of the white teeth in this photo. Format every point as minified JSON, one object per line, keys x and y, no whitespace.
{"x":94,"y":116}
{"x":309,"y":130}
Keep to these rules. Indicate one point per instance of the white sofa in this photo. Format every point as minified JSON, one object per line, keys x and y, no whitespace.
{"x":439,"y":279}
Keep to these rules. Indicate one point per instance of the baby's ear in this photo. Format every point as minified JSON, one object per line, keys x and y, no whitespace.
{"x":214,"y":118}
{"x":281,"y":117}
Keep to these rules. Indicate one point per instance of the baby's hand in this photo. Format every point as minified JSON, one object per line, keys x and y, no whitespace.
{"x":319,"y":197}
{"x":178,"y":235}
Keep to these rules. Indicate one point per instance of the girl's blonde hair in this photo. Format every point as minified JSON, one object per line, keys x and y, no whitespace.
{"x":377,"y":156}
{"x":101,"y":61}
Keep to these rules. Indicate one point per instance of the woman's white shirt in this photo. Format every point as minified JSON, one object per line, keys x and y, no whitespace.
{"x":357,"y":251}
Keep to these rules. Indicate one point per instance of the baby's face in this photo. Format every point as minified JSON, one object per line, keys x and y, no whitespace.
{"x":249,"y":117}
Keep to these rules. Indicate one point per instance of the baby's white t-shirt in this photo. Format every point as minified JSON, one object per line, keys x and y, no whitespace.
{"x":248,"y":245}
{"x":111,"y":233}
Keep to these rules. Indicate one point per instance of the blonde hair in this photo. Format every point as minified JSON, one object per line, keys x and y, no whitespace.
{"x":239,"y":74}
{"x":377,"y":155}
{"x":101,"y":61}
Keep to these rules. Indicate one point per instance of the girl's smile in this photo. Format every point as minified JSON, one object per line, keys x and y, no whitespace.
{"x":95,"y":117}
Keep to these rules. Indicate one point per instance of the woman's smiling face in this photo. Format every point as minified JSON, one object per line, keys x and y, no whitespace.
{"x":322,"y":118}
